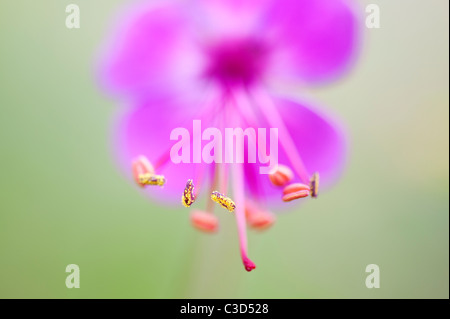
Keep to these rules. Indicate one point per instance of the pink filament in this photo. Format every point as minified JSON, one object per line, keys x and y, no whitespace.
{"x":273,"y":117}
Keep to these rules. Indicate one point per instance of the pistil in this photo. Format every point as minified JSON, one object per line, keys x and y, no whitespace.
{"x":238,"y":187}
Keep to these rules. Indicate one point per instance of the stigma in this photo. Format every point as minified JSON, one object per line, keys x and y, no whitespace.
{"x":223,"y":201}
{"x":248,"y":264}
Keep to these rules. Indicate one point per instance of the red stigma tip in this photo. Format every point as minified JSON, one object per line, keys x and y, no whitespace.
{"x":248,"y":264}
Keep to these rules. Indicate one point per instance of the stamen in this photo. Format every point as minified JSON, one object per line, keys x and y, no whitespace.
{"x":224,"y":201}
{"x":162,"y":160}
{"x":141,"y":166}
{"x":199,"y":175}
{"x":295,"y":191}
{"x":272,"y":116}
{"x":188,"y":197}
{"x":223,"y":177}
{"x":314,"y":185}
{"x":150,"y":179}
{"x":281,"y":175}
{"x":213,"y":185}
{"x":257,"y":218}
{"x":204,"y":221}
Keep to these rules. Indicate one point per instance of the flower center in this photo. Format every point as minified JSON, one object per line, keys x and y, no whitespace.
{"x":236,"y":62}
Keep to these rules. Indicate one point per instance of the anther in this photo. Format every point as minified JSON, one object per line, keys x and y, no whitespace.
{"x":141,"y":166}
{"x":281,"y":175}
{"x":224,"y":201}
{"x":188,"y":197}
{"x":257,"y":218}
{"x":204,"y":221}
{"x":295,"y":191}
{"x":314,"y":185}
{"x":150,"y":179}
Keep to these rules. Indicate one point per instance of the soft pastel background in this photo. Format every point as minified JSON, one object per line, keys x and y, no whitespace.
{"x":63,"y":200}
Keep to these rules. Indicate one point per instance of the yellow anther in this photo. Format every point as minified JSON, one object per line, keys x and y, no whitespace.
{"x":188,"y":197}
{"x":224,"y":201}
{"x":141,"y":166}
{"x":152,"y":179}
{"x":314,"y":185}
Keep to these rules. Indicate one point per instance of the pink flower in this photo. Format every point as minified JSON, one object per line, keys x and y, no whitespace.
{"x":223,"y":62}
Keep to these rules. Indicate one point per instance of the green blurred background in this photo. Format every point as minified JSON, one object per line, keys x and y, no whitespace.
{"x":64,"y":201}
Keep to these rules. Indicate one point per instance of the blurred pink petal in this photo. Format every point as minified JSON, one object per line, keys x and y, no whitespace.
{"x":152,"y":50}
{"x":316,"y":40}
